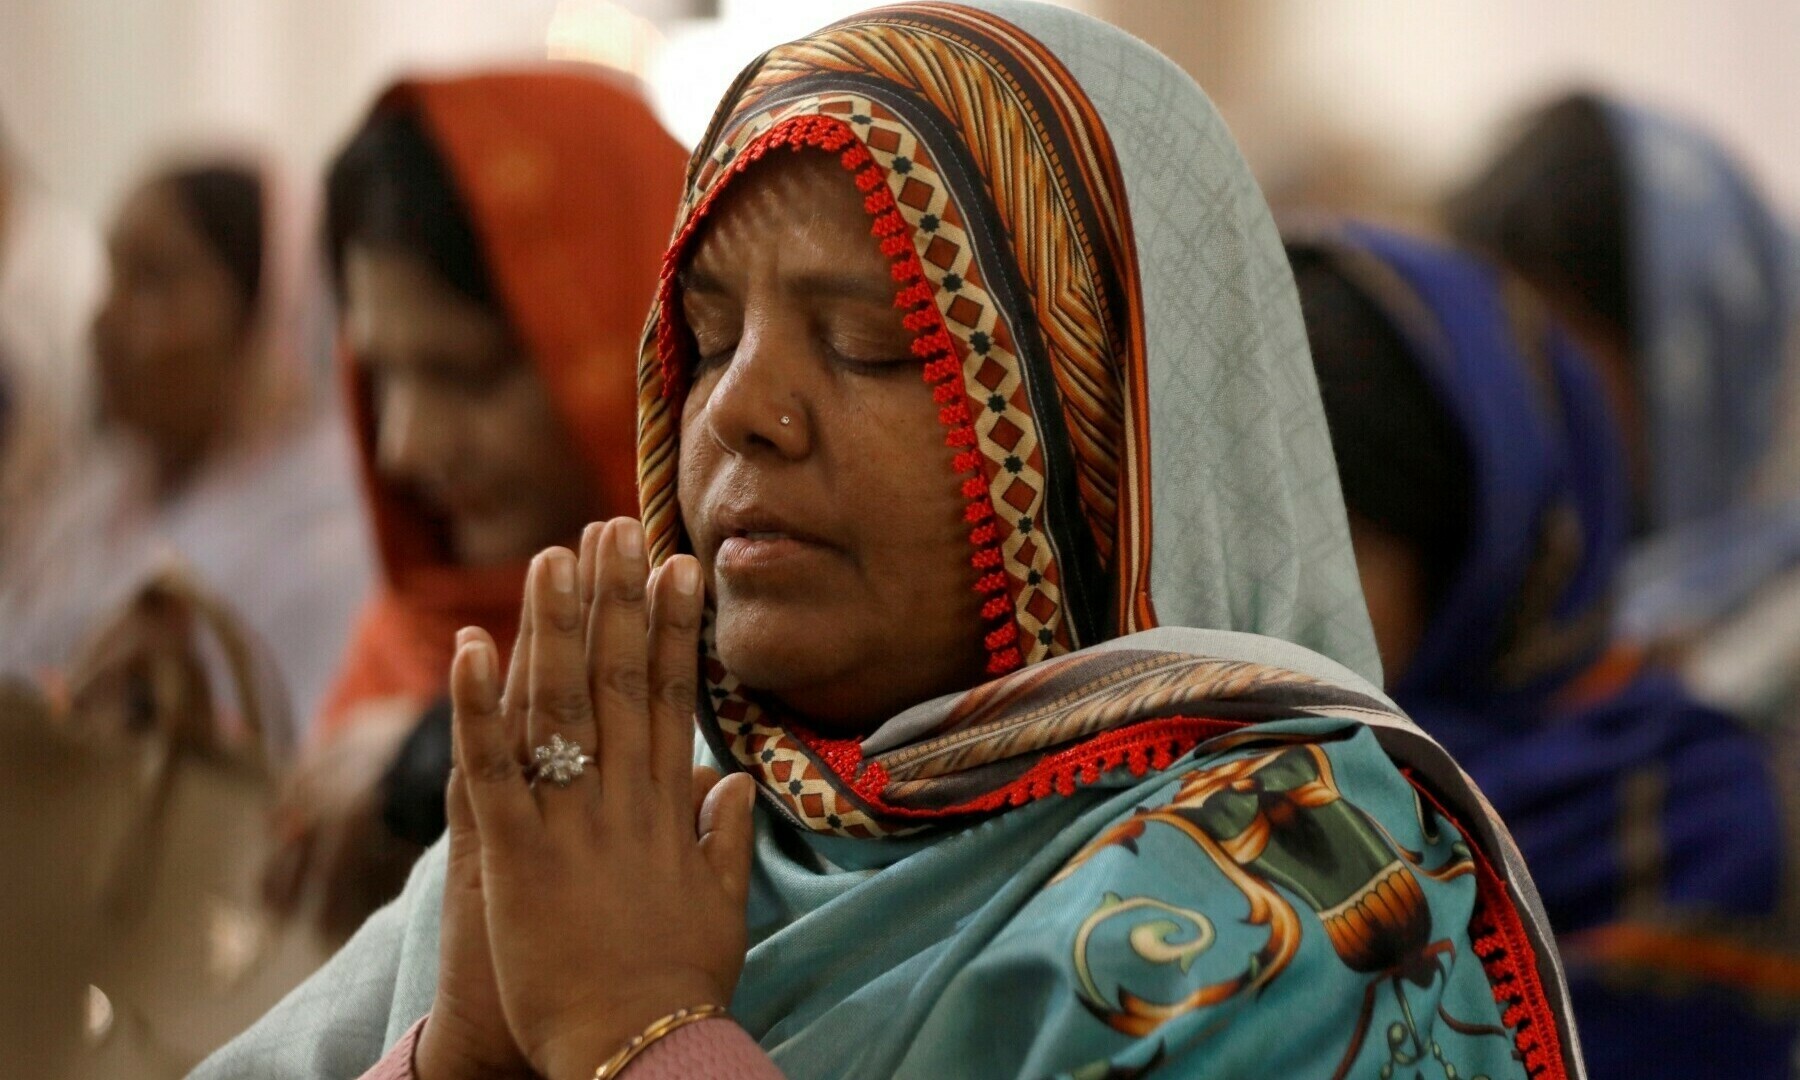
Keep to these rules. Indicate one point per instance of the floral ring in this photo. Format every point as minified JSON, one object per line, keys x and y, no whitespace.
{"x":558,"y":761}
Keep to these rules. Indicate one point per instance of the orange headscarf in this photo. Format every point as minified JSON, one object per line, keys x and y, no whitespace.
{"x":570,"y":184}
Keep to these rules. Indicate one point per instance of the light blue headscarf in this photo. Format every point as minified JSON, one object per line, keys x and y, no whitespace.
{"x":1715,"y":279}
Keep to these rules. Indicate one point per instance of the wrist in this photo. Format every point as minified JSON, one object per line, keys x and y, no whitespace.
{"x":588,"y":1046}
{"x":440,"y":1055}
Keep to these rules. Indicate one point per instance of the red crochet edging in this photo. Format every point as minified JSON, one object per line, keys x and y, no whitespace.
{"x":931,"y":343}
{"x":1141,"y":748}
{"x":1498,"y":938}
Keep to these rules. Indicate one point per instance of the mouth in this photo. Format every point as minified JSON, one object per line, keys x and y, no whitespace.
{"x":754,"y":541}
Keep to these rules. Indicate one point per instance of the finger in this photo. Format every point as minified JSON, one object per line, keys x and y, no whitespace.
{"x":617,"y":664}
{"x":484,"y":748}
{"x":463,"y":874}
{"x":705,"y":776}
{"x":675,"y":667}
{"x":590,"y":551}
{"x":728,"y":834}
{"x":516,"y":697}
{"x":560,"y":722}
{"x":467,"y":637}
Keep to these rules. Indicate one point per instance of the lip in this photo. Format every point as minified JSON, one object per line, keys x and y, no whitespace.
{"x":755,"y":538}
{"x":459,"y":501}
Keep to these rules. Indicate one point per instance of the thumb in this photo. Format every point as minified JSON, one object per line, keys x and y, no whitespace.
{"x":727,"y":833}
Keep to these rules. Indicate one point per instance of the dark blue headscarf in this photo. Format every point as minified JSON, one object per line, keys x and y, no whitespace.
{"x":1644,"y":816}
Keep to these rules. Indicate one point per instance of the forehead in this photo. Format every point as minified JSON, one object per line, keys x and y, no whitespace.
{"x":795,"y":208}
{"x":152,"y":214}
{"x":399,"y":299}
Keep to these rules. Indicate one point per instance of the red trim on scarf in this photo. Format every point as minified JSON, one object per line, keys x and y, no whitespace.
{"x":931,"y":343}
{"x":1142,"y":747}
{"x":1497,"y":936}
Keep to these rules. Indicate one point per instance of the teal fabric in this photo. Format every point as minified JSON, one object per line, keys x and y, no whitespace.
{"x":953,"y":953}
{"x":954,"y":956}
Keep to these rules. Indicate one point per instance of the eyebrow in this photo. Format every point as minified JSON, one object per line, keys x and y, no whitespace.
{"x":844,"y":287}
{"x":825,"y":284}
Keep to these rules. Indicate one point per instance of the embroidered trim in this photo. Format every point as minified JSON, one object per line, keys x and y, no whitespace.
{"x":1498,"y":938}
{"x":1142,"y":747}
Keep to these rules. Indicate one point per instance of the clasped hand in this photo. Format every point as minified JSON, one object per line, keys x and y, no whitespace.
{"x":576,"y":916}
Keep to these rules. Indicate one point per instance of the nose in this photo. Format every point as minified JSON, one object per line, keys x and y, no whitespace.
{"x":103,"y":332}
{"x":759,"y":405}
{"x":414,"y":439}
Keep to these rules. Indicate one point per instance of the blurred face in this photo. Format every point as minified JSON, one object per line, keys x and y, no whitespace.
{"x":814,"y":480}
{"x":170,"y":339}
{"x":463,"y":420}
{"x":1394,"y":587}
{"x":1618,"y":369}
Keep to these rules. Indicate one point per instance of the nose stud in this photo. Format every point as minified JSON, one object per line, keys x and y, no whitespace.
{"x":786,"y":420}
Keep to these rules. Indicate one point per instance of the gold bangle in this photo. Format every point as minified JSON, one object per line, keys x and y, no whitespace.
{"x":680,"y":1018}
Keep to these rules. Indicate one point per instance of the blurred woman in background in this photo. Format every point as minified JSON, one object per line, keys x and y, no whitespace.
{"x":1658,"y":250}
{"x":1488,"y":499}
{"x":216,"y":458}
{"x":494,"y":239}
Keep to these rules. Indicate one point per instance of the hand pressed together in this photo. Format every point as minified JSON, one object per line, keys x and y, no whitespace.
{"x":576,"y":916}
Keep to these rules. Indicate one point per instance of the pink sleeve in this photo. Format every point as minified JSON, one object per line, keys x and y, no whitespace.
{"x":397,"y":1064}
{"x":710,"y":1048}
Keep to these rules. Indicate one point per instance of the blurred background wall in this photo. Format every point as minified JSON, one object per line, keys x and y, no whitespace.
{"x":1333,"y":101}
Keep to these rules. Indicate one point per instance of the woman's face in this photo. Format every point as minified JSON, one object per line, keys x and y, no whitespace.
{"x":814,"y":480}
{"x":462,"y":419}
{"x":169,"y":340}
{"x":1394,"y":586}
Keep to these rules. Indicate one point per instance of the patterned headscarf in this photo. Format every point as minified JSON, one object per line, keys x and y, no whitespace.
{"x":1119,"y":361}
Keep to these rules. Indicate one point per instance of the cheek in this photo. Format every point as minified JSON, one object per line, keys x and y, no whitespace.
{"x":200,"y":322}
{"x":514,"y":430}
{"x":905,"y":492}
{"x":698,"y":455}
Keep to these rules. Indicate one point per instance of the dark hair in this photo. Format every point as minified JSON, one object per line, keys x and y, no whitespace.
{"x":1403,"y":463}
{"x":225,"y":205}
{"x":390,"y":188}
{"x":1552,"y":206}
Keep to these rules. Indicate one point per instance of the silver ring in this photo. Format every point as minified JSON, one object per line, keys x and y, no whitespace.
{"x":558,"y":761}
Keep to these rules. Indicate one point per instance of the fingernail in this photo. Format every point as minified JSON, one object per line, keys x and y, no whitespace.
{"x":562,"y":572}
{"x":630,"y":538}
{"x":464,"y":636}
{"x":687,"y":577}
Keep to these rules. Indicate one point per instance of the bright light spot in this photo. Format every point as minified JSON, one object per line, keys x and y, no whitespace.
{"x":601,"y":32}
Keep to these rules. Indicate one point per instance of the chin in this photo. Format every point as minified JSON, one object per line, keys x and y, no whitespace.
{"x":796,"y":653}
{"x":775,"y":647}
{"x":486,"y":543}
